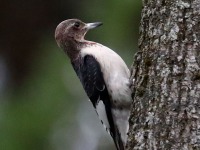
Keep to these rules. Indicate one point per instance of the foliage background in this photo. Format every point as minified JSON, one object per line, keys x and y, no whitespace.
{"x":42,"y":103}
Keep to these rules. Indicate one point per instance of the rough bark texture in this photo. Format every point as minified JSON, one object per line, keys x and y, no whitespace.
{"x":166,"y":78}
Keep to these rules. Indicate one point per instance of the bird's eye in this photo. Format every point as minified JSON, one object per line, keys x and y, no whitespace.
{"x":77,"y":24}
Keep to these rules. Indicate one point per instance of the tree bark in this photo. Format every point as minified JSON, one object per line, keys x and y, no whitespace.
{"x":166,"y":78}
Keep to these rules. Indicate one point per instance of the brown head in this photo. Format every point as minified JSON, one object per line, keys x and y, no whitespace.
{"x":72,"y":31}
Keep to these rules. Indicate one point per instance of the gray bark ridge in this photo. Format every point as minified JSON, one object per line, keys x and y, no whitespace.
{"x":166,"y":78}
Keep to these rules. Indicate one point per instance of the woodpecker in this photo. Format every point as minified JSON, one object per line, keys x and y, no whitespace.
{"x":103,"y":74}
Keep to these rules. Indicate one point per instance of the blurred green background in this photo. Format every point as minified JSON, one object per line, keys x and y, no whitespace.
{"x":42,"y":103}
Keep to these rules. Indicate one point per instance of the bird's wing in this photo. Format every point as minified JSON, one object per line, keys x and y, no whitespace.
{"x":89,"y":72}
{"x":91,"y":77}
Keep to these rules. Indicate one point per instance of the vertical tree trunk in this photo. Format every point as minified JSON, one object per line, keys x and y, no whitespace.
{"x":166,"y":77}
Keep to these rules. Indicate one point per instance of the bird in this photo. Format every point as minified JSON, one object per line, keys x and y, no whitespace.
{"x":103,"y":74}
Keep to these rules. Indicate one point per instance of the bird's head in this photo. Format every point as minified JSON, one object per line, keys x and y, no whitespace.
{"x":72,"y":30}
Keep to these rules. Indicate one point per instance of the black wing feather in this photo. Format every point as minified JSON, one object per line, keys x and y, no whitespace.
{"x":92,"y":80}
{"x":89,"y":72}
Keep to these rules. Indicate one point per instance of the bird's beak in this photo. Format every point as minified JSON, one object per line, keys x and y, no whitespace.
{"x":93,"y":25}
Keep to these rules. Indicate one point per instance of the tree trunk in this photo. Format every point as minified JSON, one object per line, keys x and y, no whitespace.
{"x":166,"y":78}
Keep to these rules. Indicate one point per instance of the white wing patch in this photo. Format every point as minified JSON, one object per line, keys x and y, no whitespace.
{"x":101,"y":111}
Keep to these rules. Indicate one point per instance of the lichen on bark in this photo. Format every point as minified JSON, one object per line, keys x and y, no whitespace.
{"x":166,"y":77}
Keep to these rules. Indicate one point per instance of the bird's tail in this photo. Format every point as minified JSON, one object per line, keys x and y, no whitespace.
{"x":120,"y":145}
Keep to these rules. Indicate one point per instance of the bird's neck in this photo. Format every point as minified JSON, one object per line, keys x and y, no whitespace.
{"x":73,"y":47}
